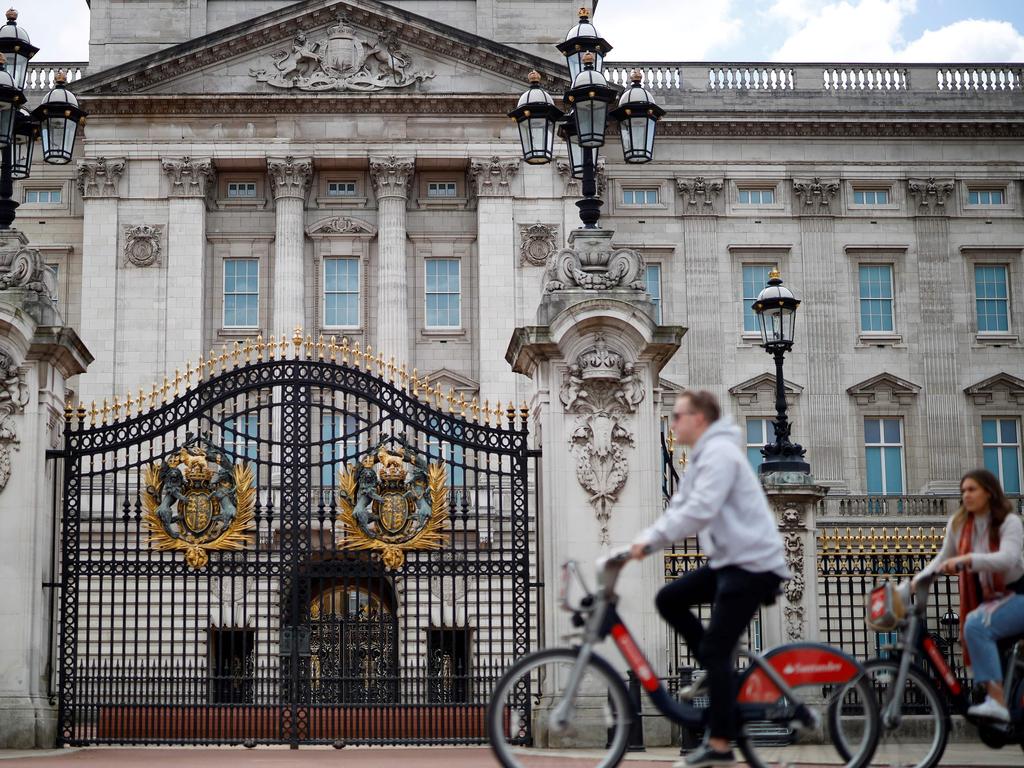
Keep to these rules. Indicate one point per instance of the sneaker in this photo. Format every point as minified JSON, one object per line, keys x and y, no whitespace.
{"x":990,"y":709}
{"x":705,"y":755}
{"x":698,"y":683}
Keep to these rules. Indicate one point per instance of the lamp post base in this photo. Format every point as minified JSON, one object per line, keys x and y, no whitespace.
{"x":785,"y":464}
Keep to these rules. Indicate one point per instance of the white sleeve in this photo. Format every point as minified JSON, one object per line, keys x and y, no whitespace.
{"x":948,"y":550}
{"x":1011,"y":542}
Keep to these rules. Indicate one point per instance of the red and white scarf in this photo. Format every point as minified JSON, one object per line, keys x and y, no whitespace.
{"x":993,"y":585}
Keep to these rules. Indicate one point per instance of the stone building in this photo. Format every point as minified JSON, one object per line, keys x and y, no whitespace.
{"x":347,"y":168}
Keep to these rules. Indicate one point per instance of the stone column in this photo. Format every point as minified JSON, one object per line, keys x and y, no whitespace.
{"x":492,"y":179}
{"x":391,"y":179}
{"x":595,"y":355}
{"x":289,"y":181}
{"x":939,"y":370}
{"x":701,"y":205}
{"x":37,"y":355}
{"x":190,"y":179}
{"x":99,"y":181}
{"x":794,"y":500}
{"x":824,"y":396}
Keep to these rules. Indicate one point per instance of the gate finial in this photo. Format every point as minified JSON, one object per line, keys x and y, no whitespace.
{"x":297,"y":340}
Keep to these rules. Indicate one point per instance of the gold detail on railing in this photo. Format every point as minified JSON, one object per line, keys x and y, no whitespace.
{"x":297,"y":341}
{"x":872,"y":542}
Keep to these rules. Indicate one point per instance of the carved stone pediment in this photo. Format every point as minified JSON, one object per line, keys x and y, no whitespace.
{"x":760,"y":390}
{"x":999,"y":388}
{"x":449,"y":380}
{"x":886,"y":386}
{"x":341,"y":225}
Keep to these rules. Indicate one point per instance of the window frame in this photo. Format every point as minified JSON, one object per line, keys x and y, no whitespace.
{"x":884,"y":334}
{"x":224,"y":292}
{"x":358,"y":292}
{"x":1006,"y":266}
{"x":760,"y":188}
{"x":766,"y":422}
{"x":659,"y":304}
{"x":427,"y":292}
{"x":354,"y":193}
{"x":744,"y":303}
{"x":250,"y":439}
{"x":454,"y":184}
{"x":998,"y":418}
{"x":235,"y":183}
{"x":634,"y":189}
{"x":979,"y":189}
{"x":873,"y":190}
{"x":49,"y":195}
{"x":882,"y":444}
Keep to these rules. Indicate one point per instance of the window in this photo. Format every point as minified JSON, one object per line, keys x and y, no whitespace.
{"x":43,"y":196}
{"x":992,"y":300}
{"x":758,"y":196}
{"x":640,"y":196}
{"x":755,"y":278}
{"x":242,"y":189}
{"x":876,"y":298}
{"x":453,"y":458}
{"x":56,"y":281}
{"x":341,"y":292}
{"x":652,"y":277}
{"x":444,"y":293}
{"x":341,"y":189}
{"x":442,"y":189}
{"x":870,"y":196}
{"x":883,"y":448}
{"x":1001,"y":446}
{"x":241,"y":436}
{"x":241,"y":293}
{"x":760,"y":432}
{"x":986,"y":196}
{"x":339,"y":434}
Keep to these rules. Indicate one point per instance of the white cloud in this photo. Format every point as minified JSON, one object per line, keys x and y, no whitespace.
{"x":667,"y":30}
{"x":60,"y":28}
{"x":970,"y":40}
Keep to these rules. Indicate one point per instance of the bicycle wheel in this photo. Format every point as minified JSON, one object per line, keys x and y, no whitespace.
{"x":845,"y":731}
{"x":919,"y":740}
{"x":524,"y":730}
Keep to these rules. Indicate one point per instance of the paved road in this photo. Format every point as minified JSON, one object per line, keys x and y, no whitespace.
{"x":957,"y":756}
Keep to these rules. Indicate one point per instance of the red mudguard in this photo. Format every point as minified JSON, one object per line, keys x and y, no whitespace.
{"x":797,"y":664}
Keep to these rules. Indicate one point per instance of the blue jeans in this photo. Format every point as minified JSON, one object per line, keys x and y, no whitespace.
{"x":984,"y":628}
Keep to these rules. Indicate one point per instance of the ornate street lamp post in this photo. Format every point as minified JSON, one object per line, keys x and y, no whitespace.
{"x":776,"y":312}
{"x":55,"y":121}
{"x":589,"y":103}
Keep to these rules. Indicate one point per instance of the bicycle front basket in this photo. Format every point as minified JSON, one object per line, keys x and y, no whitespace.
{"x":885,"y":607}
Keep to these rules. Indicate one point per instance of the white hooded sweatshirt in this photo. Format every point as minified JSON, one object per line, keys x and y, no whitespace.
{"x":720,"y":499}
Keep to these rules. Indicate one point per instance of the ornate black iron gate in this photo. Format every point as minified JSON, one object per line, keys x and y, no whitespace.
{"x":295,"y":543}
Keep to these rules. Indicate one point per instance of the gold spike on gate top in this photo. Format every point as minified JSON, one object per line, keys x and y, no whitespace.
{"x":438,"y":396}
{"x":344,"y":349}
{"x":524,"y":413}
{"x":140,"y":401}
{"x":153,"y":395}
{"x":414,"y":383}
{"x":309,"y":347}
{"x":200,"y":368}
{"x":271,"y":347}
{"x":260,"y":346}
{"x":462,"y":404}
{"x":297,"y":341}
{"x":164,"y":390}
{"x":69,"y":410}
{"x":391,"y":369}
{"x":451,"y":400}
{"x":93,"y":414}
{"x":332,"y":351}
{"x":380,"y":364}
{"x":283,"y":344}
{"x":188,"y":374}
{"x":223,"y":358}
{"x":236,"y":351}
{"x":321,"y":348}
{"x":510,"y":414}
{"x":80,"y":412}
{"x":486,"y":412}
{"x":368,"y":358}
{"x":117,"y":408}
{"x":105,"y":412}
{"x":403,"y":376}
{"x":177,"y":382}
{"x":497,"y":413}
{"x":356,"y":355}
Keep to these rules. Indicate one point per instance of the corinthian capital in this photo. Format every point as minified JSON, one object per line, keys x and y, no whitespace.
{"x":491,"y":177}
{"x":189,"y":176}
{"x":930,"y":193}
{"x":816,"y":193}
{"x":100,"y":177}
{"x":391,"y":175}
{"x":289,"y":176}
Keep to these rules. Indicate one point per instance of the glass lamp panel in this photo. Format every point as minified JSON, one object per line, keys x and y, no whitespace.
{"x":591,"y":118}
{"x":21,"y":161}
{"x":7,"y":114}
{"x":17,"y":65}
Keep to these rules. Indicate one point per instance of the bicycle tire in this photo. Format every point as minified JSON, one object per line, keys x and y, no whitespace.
{"x":862,"y":759}
{"x":919,"y":679}
{"x":496,"y":708}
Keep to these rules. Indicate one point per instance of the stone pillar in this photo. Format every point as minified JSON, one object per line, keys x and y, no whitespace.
{"x":701,"y":206}
{"x":99,"y":181}
{"x":595,"y":355}
{"x":824,"y":397}
{"x":391,"y":179}
{"x":289,"y":181}
{"x":189,"y":178}
{"x":794,"y":499}
{"x":37,"y":355}
{"x":492,"y":179}
{"x":939,"y":371}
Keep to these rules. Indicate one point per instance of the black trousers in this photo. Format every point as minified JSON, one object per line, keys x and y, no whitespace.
{"x":735,"y":595}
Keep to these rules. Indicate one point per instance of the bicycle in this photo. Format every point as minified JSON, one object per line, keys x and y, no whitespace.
{"x":915,"y":725}
{"x":570,"y":701}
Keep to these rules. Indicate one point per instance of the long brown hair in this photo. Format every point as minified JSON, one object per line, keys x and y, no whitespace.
{"x":998,"y":505}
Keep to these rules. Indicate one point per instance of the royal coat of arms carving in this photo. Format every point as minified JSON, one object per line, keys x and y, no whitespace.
{"x":399,"y":507}
{"x":197,"y":501}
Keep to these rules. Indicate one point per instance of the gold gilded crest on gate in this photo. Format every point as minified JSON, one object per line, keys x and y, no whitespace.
{"x":197,"y":501}
{"x":398,"y":507}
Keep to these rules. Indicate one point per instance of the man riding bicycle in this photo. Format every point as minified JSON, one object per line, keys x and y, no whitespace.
{"x":719,"y":499}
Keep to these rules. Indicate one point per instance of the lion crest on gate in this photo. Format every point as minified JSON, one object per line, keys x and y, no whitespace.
{"x":198,"y":500}
{"x":398,"y":507}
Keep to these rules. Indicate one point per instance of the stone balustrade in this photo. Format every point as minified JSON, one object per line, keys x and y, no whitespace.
{"x":41,"y":76}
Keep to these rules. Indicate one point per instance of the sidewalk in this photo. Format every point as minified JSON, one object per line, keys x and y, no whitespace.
{"x":957,"y":756}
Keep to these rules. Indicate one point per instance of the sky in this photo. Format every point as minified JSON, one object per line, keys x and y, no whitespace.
{"x":719,"y":30}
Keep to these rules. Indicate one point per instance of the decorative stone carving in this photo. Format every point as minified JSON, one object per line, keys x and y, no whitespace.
{"x":289,"y":176}
{"x":391,"y":175}
{"x":896,"y":390}
{"x":930,"y":193}
{"x":491,"y":177}
{"x":793,"y":528}
{"x":817,"y":193}
{"x":536,"y":243}
{"x":603,"y":391}
{"x":341,"y":225}
{"x":142,"y":245}
{"x":699,"y":193}
{"x":14,"y":397}
{"x":189,"y":177}
{"x":572,"y":185}
{"x":1008,"y":388}
{"x":593,"y":263}
{"x":23,"y":267}
{"x":342,"y":60}
{"x":100,"y":177}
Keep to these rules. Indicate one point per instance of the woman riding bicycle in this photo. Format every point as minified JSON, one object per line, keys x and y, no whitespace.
{"x":985,"y":544}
